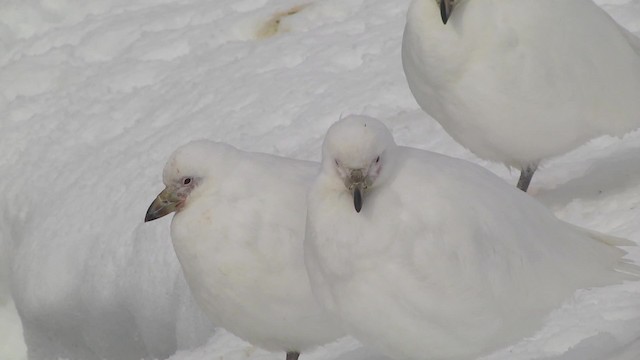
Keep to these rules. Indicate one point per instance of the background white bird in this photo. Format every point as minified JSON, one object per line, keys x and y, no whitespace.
{"x":238,"y":233}
{"x":440,"y":259}
{"x":519,"y":81}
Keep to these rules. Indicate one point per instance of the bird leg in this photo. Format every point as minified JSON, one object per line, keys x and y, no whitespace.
{"x":525,"y":176}
{"x":292,"y":355}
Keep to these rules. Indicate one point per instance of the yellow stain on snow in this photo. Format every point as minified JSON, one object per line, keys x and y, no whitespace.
{"x":272,"y":26}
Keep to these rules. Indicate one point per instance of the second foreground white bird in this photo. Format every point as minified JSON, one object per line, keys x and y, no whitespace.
{"x":519,"y":81}
{"x":423,"y":256}
{"x":238,"y":232}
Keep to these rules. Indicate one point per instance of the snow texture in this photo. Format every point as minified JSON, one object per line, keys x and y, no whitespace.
{"x":95,"y":95}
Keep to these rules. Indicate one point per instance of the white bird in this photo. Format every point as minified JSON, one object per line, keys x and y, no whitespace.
{"x":520,"y":81}
{"x":238,"y":232}
{"x":423,"y":256}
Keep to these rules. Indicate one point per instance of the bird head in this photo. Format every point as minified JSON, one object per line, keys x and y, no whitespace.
{"x":187,"y":168}
{"x":355,"y":151}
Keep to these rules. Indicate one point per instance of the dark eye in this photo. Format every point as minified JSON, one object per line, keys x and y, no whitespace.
{"x":378,"y":159}
{"x":186,"y":181}
{"x":337,"y":164}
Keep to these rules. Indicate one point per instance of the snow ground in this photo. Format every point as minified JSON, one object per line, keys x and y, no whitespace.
{"x":95,"y":95}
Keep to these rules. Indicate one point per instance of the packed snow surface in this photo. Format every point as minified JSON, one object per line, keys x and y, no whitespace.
{"x":95,"y":95}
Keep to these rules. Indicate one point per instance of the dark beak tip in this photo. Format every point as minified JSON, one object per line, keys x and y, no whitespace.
{"x":150,"y":216}
{"x":151,"y":213}
{"x":154,"y":212}
{"x":357,"y":200}
{"x":445,"y":11}
{"x":154,"y":215}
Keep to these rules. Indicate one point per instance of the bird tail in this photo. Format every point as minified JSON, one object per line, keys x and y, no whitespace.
{"x":624,"y":266}
{"x":633,"y":40}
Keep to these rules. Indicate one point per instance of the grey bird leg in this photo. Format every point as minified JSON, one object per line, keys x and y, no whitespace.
{"x":292,"y":355}
{"x":525,"y":177}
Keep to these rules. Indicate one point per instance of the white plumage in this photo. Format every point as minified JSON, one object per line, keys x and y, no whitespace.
{"x":444,"y":260}
{"x":238,"y":233}
{"x":519,"y":81}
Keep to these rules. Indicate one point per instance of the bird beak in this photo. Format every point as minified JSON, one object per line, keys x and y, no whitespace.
{"x":356,"y":183}
{"x":165,"y":203}
{"x":357,"y":197}
{"x":446,"y":7}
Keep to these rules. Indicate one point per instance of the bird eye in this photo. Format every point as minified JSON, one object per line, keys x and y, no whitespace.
{"x":378,"y":159}
{"x":186,"y":181}
{"x":337,"y":163}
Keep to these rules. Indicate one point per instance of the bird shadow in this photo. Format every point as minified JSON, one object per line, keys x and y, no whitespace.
{"x":599,"y":347}
{"x":608,"y":175}
{"x":362,"y":353}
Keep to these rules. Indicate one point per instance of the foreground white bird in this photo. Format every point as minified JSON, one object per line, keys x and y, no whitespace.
{"x":519,"y":81}
{"x":238,"y":232}
{"x":423,"y":256}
